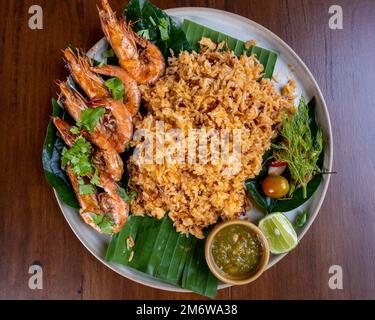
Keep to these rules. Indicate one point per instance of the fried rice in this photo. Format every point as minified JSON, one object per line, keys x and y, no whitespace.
{"x":212,"y":89}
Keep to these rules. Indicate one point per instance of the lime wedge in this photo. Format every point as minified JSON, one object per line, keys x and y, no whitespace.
{"x":279,"y":232}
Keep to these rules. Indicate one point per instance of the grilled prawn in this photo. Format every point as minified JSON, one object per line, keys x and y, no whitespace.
{"x":132,"y":94}
{"x":113,"y":130}
{"x":109,"y":202}
{"x":107,"y":161}
{"x":79,"y":65}
{"x":138,"y":56}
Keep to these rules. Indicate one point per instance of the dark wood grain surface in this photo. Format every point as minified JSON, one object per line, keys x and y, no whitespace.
{"x":33,"y":230}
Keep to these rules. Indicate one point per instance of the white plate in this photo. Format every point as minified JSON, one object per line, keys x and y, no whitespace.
{"x":244,"y":29}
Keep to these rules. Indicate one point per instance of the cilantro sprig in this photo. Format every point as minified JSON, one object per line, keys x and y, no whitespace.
{"x":78,"y":157}
{"x":103,"y":222}
{"x":85,"y":189}
{"x":89,"y":120}
{"x":116,"y":86}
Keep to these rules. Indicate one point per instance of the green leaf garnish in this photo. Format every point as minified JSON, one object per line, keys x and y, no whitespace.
{"x":125,"y":196}
{"x":299,"y":148}
{"x":95,"y":177}
{"x":301,"y":219}
{"x":78,"y":157}
{"x":90,"y":118}
{"x":75,"y":130}
{"x":85,"y":189}
{"x":116,"y":86}
{"x":145,"y":33}
{"x":103,"y":222}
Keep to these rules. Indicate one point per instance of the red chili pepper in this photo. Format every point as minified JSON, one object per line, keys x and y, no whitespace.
{"x":275,"y":163}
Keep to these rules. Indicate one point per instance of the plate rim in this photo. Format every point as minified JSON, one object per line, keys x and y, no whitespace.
{"x":160,"y":285}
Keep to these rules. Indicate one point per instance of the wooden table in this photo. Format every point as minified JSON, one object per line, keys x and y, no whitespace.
{"x":33,"y":230}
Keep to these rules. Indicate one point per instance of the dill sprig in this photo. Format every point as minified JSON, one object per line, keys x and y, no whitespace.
{"x":299,"y":148}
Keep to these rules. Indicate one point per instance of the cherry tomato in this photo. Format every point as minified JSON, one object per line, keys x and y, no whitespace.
{"x":275,"y":186}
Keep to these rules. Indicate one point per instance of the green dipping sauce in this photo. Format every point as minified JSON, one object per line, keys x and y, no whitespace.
{"x":237,"y":251}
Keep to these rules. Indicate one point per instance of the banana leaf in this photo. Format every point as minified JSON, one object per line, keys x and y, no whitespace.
{"x":162,"y":253}
{"x":51,"y":159}
{"x":156,"y":25}
{"x":194,"y":32}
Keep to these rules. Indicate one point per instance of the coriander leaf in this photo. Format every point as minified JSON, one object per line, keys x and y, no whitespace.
{"x":301,"y":219}
{"x":145,"y":33}
{"x":116,"y":86}
{"x":123,"y":194}
{"x":90,"y":118}
{"x":103,"y":222}
{"x":95,"y":178}
{"x":106,"y":226}
{"x":86,"y":189}
{"x":97,"y":218}
{"x":75,"y":130}
{"x":127,"y":147}
{"x":78,"y":157}
{"x":108,"y":53}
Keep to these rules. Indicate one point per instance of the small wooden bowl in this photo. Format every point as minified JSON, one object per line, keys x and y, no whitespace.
{"x":219,"y":273}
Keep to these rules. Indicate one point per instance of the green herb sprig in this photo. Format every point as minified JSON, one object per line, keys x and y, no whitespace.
{"x":78,"y":157}
{"x":299,"y":148}
{"x":89,"y":120}
{"x":116,"y":86}
{"x":103,"y":222}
